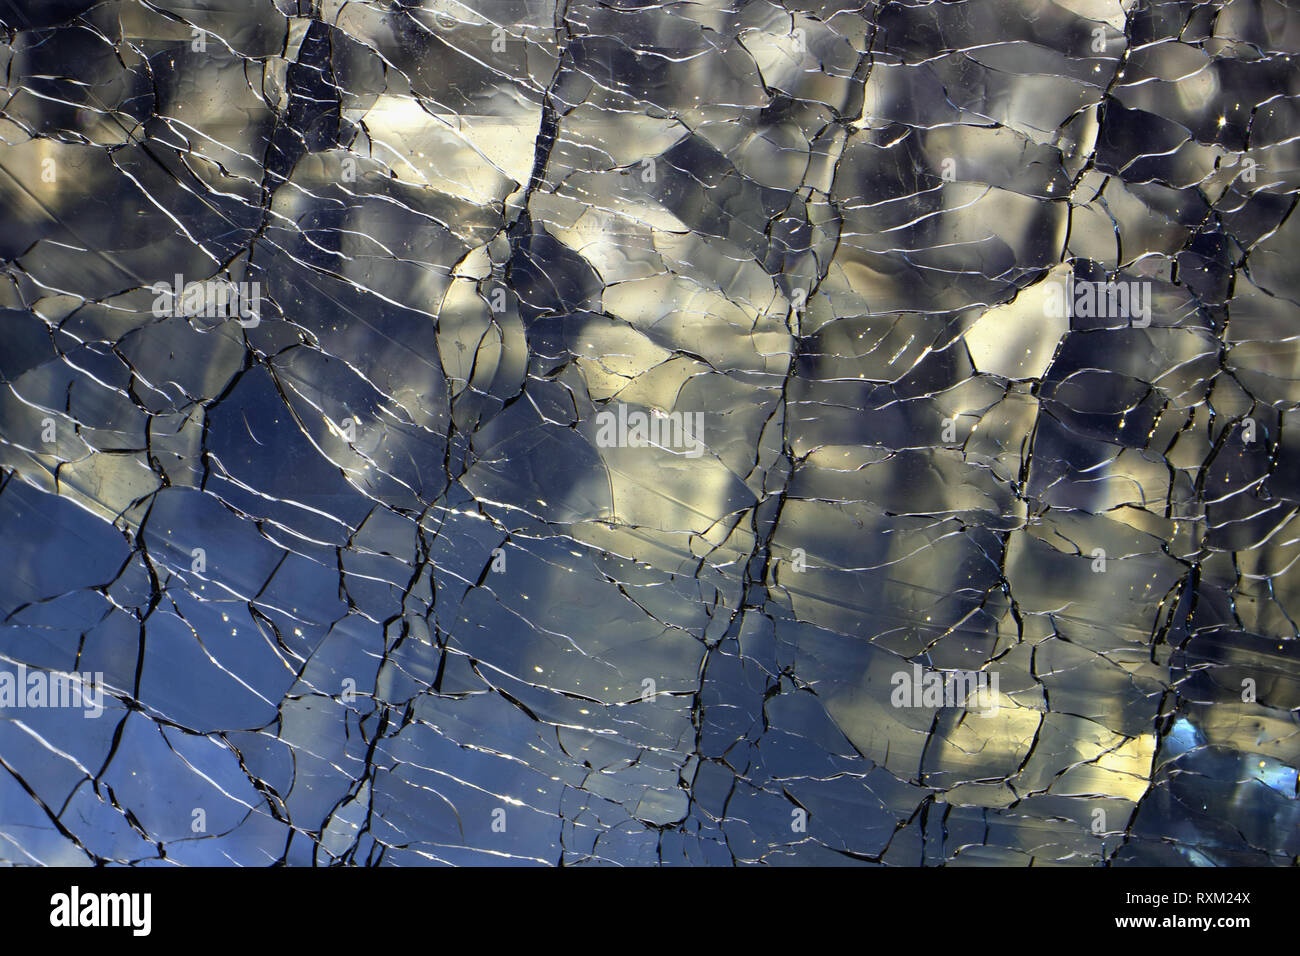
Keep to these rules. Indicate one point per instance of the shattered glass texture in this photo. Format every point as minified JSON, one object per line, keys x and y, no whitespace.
{"x":822,"y":225}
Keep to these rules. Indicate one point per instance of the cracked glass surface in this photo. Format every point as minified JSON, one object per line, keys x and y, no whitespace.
{"x":359,"y":579}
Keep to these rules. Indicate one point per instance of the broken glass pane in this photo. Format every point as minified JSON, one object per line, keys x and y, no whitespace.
{"x":596,"y":431}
